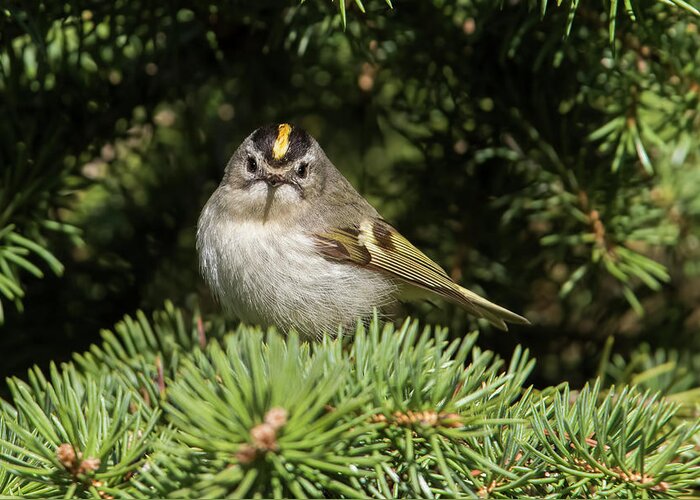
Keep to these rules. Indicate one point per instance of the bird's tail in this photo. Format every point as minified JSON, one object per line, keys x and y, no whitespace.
{"x":493,"y":313}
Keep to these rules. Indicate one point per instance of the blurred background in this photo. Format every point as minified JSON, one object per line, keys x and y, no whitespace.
{"x":546,"y":156}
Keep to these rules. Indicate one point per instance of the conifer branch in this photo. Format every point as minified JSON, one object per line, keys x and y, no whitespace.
{"x":401,"y":412}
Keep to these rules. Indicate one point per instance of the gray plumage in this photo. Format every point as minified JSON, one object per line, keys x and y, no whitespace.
{"x":268,"y":252}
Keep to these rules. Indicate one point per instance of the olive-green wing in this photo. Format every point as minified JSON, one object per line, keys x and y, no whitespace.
{"x":377,"y":245}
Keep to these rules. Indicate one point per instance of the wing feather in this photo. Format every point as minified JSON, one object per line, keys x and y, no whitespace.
{"x":377,"y":245}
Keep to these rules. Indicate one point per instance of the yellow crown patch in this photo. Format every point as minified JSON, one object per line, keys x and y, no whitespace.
{"x":279,"y":148}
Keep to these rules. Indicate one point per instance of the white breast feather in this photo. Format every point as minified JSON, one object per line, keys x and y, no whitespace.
{"x":267,"y":275}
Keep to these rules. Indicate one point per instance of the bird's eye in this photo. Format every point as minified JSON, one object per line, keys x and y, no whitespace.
{"x":302,"y":170}
{"x":252,"y":165}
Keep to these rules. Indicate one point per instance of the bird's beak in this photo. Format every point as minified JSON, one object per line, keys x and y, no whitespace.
{"x":274,"y":180}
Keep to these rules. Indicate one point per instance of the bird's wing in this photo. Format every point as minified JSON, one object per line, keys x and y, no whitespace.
{"x":377,"y":245}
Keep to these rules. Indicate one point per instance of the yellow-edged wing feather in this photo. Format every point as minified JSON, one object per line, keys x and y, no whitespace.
{"x":375,"y":244}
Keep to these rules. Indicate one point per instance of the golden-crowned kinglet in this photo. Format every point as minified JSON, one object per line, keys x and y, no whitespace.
{"x":286,"y":240}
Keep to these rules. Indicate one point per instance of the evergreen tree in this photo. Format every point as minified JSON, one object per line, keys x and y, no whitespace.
{"x":545,"y":151}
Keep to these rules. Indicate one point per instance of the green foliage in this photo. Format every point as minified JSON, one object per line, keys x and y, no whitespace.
{"x":398,"y":412}
{"x":674,"y":373}
{"x":552,"y":138}
{"x":548,"y":151}
{"x":614,"y":7}
{"x":74,"y":435}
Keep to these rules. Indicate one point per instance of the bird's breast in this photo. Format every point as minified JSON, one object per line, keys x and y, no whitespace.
{"x":270,"y":274}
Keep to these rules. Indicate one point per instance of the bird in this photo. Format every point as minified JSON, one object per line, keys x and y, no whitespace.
{"x":285,"y":240}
